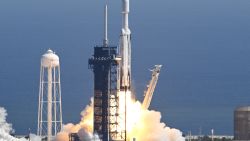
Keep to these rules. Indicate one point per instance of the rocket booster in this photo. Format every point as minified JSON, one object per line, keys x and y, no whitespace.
{"x":125,"y":49}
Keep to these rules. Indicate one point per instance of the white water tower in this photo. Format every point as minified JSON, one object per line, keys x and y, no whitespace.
{"x":50,"y":106}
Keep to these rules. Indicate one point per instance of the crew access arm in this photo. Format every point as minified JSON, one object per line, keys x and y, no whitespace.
{"x":151,"y":87}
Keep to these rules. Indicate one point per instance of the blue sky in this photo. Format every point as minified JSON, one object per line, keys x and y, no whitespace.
{"x":204,"y":47}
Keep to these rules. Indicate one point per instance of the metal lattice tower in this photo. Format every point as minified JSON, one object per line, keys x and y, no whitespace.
{"x":50,"y":106}
{"x":101,"y":63}
{"x":104,"y":64}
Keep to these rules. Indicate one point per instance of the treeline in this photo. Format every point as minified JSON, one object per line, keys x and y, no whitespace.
{"x":207,"y":138}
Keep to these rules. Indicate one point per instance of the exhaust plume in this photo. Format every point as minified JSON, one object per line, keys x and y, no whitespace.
{"x":150,"y":128}
{"x":144,"y":125}
{"x":84,"y":129}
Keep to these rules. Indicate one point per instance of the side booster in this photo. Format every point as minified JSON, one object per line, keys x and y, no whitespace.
{"x":125,"y":49}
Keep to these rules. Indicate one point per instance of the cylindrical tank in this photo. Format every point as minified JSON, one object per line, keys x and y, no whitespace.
{"x":242,"y":123}
{"x":50,"y":59}
{"x":50,"y":108}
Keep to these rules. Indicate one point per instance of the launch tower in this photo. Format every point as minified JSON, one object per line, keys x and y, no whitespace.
{"x":104,"y":65}
{"x":112,"y":76}
{"x":50,"y":107}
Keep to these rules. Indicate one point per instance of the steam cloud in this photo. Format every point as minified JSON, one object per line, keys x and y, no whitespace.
{"x":84,"y":129}
{"x":6,"y":129}
{"x":148,"y":127}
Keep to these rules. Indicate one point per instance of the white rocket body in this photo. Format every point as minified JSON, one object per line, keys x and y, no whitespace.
{"x":125,"y":49}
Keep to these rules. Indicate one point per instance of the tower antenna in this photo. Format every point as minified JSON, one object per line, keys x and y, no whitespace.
{"x":105,"y":40}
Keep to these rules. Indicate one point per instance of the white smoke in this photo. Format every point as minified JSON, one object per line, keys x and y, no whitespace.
{"x":6,"y":129}
{"x":83,"y":134}
{"x":4,"y":136}
{"x":143,"y":124}
{"x":150,"y":128}
{"x":84,"y":128}
{"x":4,"y":126}
{"x":34,"y":137}
{"x":147,"y":128}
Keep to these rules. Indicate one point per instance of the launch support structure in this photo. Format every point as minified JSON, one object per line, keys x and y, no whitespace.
{"x":104,"y":65}
{"x":112,"y":77}
{"x":151,"y":87}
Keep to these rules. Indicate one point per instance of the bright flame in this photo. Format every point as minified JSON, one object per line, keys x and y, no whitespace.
{"x":144,"y":125}
{"x":132,"y":111}
{"x":84,"y":129}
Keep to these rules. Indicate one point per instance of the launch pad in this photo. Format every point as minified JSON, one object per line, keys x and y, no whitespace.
{"x":111,"y":66}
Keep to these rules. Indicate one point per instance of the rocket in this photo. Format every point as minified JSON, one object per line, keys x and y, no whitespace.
{"x":125,"y":49}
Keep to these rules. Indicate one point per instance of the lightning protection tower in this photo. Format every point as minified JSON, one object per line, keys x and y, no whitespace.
{"x":104,"y":65}
{"x":50,"y":107}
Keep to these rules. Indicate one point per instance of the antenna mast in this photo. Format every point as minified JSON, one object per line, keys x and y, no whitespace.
{"x":105,"y":40}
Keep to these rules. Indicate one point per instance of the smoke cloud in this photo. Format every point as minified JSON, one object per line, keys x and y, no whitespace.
{"x":84,"y":129}
{"x":6,"y":129}
{"x":150,"y":128}
{"x":4,"y":126}
{"x":145,"y":125}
